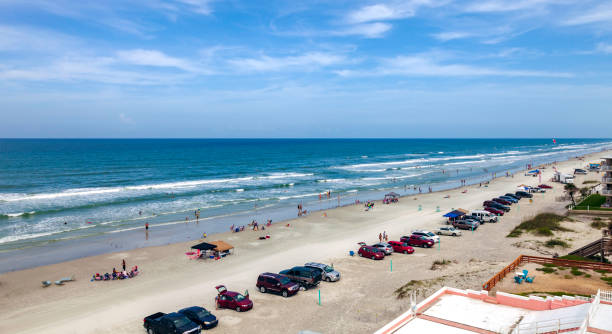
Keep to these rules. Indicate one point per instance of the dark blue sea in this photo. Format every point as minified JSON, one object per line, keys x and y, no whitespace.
{"x":54,"y":190}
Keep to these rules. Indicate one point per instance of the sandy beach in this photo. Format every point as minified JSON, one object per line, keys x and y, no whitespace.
{"x":361,"y":302}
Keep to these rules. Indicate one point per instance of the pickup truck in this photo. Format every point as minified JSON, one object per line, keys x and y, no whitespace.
{"x":171,"y":323}
{"x":304,"y":276}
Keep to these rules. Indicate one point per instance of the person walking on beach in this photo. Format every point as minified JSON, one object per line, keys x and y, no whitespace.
{"x":380,"y":237}
{"x":385,"y":238}
{"x":123,"y":264}
{"x":147,"y":227}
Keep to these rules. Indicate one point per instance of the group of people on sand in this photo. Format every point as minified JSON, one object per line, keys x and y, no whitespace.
{"x":383,"y":237}
{"x":254,"y":226}
{"x":116,"y":274}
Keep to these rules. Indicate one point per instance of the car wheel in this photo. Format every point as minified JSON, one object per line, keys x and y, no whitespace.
{"x":454,"y":234}
{"x":328,"y":279}
{"x":360,"y":254}
{"x":405,"y":252}
{"x":373,"y":257}
{"x":237,"y":308}
{"x":150,"y":331}
{"x":439,"y":233}
{"x":262,"y":289}
{"x":285,"y":294}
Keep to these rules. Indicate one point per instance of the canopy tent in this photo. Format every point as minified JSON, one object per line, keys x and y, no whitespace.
{"x":392,"y":194}
{"x":204,"y":246}
{"x":221,"y":246}
{"x":465,"y":212}
{"x":454,"y":214}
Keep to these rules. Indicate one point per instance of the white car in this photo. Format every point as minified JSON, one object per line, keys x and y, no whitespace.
{"x":448,"y":231}
{"x":427,"y":234}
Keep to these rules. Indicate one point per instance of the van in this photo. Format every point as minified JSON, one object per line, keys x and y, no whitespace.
{"x":485,"y":216}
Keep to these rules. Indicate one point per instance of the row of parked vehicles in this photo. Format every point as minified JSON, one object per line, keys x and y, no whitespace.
{"x":286,"y":283}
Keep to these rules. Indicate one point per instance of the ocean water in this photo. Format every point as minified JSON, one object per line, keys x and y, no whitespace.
{"x":53,"y":190}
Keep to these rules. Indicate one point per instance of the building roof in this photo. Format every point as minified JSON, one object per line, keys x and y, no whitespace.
{"x":452,"y":310}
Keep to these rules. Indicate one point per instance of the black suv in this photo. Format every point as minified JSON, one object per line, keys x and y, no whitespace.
{"x":518,"y":198}
{"x":523,"y":194}
{"x":306,"y":277}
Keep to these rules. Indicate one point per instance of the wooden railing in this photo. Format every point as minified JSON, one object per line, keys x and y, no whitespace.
{"x":542,"y":260}
{"x":603,"y":245}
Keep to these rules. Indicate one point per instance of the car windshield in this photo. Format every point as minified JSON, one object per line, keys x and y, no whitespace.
{"x":239,"y":297}
{"x":180,"y":322}
{"x":328,"y":269}
{"x":202,"y":313}
{"x":430,"y":234}
{"x":284,"y":280}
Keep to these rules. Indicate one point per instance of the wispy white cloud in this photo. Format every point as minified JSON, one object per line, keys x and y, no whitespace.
{"x":604,"y":48}
{"x":155,"y":58}
{"x":599,"y":14}
{"x":451,"y":35}
{"x":506,"y":5}
{"x":125,"y":119}
{"x":308,"y":61}
{"x":368,"y":30}
{"x":198,"y":6}
{"x":392,"y":10}
{"x":424,"y":66}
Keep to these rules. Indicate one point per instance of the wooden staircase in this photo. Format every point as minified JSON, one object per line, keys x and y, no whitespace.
{"x":603,"y":247}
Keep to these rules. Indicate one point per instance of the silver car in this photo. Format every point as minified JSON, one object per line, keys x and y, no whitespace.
{"x":385,"y":247}
{"x":329,"y":274}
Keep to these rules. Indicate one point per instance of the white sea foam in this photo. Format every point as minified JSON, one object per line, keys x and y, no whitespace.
{"x":169,"y":186}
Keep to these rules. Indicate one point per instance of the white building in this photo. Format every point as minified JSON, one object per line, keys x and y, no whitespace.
{"x":458,"y":311}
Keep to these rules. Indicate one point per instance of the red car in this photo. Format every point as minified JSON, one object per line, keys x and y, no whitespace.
{"x":232,"y":299}
{"x":401,"y":247}
{"x":544,"y":186}
{"x":494,"y":211}
{"x":502,"y":201}
{"x":418,"y":240}
{"x":371,"y":252}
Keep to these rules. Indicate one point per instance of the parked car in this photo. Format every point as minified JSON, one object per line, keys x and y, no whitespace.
{"x":502,"y":201}
{"x":306,"y":277}
{"x":371,"y":252}
{"x":427,"y":234}
{"x":384,"y":247}
{"x":494,"y":211}
{"x":509,"y":199}
{"x":171,"y":323}
{"x":485,"y":216}
{"x":523,"y":194}
{"x":580,"y":171}
{"x":449,"y":231}
{"x":232,"y":300}
{"x":417,"y":240}
{"x":518,"y":198}
{"x":200,"y":316}
{"x":493,"y":204}
{"x":544,"y":186}
{"x":275,"y":283}
{"x":329,"y":273}
{"x":465,"y":224}
{"x":475,"y":218}
{"x":401,"y":247}
{"x":536,"y":190}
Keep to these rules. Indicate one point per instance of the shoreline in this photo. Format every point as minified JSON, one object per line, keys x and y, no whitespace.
{"x":166,"y":233}
{"x":119,"y":306}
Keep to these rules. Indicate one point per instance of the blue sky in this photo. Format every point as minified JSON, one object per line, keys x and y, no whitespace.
{"x":215,"y":68}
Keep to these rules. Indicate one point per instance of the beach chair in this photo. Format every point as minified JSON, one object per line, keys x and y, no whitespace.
{"x":518,"y":279}
{"x":529,"y":279}
{"x":351,"y":253}
{"x":46,"y":283}
{"x":525,"y":271}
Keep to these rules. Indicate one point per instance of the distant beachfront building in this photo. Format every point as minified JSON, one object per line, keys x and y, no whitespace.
{"x":606,"y":181}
